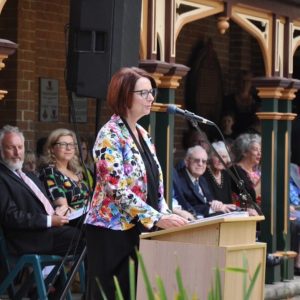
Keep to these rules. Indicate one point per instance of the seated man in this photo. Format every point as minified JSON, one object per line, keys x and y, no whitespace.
{"x":26,"y":215}
{"x":191,"y":188}
{"x":294,"y":198}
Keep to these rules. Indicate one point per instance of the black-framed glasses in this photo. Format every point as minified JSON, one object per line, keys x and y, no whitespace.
{"x":145,"y":93}
{"x":65,"y":145}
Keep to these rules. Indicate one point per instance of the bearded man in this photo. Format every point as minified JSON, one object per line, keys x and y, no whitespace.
{"x":26,"y":215}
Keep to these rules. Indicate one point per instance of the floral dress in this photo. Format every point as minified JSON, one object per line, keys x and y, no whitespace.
{"x":59,"y":185}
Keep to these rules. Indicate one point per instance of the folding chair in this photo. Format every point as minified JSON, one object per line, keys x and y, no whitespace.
{"x":14,"y":265}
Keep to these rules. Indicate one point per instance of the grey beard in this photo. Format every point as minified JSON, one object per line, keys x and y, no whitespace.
{"x":13,"y":166}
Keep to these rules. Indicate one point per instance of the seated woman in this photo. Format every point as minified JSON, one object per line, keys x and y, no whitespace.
{"x":87,"y":160}
{"x":246,"y":150}
{"x":30,"y":163}
{"x":217,"y":178}
{"x":62,"y":174}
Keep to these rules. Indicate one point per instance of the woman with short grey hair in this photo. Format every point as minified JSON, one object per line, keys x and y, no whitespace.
{"x":215,"y":174}
{"x":242,"y":145}
{"x":246,"y":150}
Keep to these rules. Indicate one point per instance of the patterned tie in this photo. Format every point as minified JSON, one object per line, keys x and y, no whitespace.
{"x":48,"y":207}
{"x":199,"y":189}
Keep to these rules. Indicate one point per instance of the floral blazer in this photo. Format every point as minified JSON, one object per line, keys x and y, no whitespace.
{"x":121,"y":186}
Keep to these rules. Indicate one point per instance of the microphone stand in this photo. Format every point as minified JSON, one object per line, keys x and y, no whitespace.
{"x":244,"y":195}
{"x":73,"y":271}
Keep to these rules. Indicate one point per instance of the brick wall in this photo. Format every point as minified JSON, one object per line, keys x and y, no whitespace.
{"x":38,"y":27}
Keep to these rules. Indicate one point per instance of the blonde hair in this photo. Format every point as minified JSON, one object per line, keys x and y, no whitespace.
{"x":49,"y":157}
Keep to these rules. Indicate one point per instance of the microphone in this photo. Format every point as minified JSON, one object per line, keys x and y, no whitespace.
{"x":174,"y":110}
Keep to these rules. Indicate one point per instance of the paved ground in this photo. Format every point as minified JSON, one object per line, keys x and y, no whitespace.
{"x":283,"y":290}
{"x":278,"y":291}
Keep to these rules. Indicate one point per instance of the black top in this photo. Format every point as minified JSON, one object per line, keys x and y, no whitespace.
{"x":152,"y":174}
{"x":242,"y":174}
{"x":221,"y":192}
{"x":150,"y":166}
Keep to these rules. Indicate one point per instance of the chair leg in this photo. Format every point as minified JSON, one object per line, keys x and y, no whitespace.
{"x":25,"y":287}
{"x":63,"y":280}
{"x":9,"y":280}
{"x":7,"y":286}
{"x":40,"y":284}
{"x":82,"y":277}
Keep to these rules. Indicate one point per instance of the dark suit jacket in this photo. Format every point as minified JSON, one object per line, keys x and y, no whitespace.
{"x":188,"y":197}
{"x":22,"y":216}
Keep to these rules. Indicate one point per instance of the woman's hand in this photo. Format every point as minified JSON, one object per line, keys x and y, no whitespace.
{"x":171,"y":220}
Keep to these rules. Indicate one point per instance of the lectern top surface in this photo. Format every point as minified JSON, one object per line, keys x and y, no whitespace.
{"x":216,"y":220}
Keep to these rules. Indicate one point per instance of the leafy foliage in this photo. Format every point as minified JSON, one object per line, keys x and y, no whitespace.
{"x":215,"y":292}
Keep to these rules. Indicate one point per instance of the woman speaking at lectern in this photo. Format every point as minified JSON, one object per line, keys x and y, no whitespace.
{"x":128,"y":197}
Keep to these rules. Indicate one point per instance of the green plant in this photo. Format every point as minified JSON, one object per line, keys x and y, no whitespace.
{"x":216,"y":291}
{"x":159,"y":293}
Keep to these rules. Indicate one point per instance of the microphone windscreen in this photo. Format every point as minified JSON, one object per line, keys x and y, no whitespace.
{"x":171,"y":109}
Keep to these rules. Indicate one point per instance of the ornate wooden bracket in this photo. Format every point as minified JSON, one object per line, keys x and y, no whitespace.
{"x":6,"y":48}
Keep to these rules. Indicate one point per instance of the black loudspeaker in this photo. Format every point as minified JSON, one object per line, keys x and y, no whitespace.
{"x":104,"y":36}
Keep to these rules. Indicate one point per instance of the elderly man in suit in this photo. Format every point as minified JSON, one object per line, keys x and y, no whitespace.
{"x":26,"y":215}
{"x":191,"y":189}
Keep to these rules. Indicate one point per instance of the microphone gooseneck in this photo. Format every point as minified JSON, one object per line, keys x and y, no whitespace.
{"x":174,"y":110}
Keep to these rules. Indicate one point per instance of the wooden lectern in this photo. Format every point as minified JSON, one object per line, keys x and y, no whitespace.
{"x":197,"y":249}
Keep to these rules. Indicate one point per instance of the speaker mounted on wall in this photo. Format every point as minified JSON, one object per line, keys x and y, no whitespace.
{"x":104,"y":36}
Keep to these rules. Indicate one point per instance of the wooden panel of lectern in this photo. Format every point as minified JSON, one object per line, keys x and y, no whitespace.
{"x":198,"y":249}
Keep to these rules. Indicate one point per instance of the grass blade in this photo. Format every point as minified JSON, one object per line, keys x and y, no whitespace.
{"x":119,"y":295}
{"x":215,"y":292}
{"x":252,"y":283}
{"x":132,"y":279}
{"x":145,"y":276}
{"x":218,"y":289}
{"x":245,"y":266}
{"x":161,"y":289}
{"x":182,"y":292}
{"x":101,"y":289}
{"x":238,"y":270}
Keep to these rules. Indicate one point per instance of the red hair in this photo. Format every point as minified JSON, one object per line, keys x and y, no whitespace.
{"x":119,"y":95}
